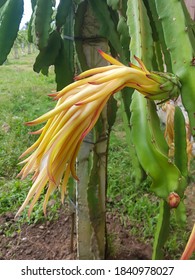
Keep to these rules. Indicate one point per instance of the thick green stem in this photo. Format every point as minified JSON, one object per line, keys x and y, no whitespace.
{"x":92,"y":160}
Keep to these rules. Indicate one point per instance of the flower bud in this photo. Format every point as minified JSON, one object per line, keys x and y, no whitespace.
{"x":173,"y":200}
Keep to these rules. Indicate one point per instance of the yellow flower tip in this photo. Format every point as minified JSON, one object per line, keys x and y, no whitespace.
{"x":29,"y":212}
{"x":29,"y":123}
{"x":190,"y":246}
{"x":53,"y":94}
{"x":76,"y":78}
{"x":101,"y":52}
{"x":134,"y":66}
{"x":19,"y":174}
{"x":93,"y":83}
{"x":56,"y":98}
{"x":79,"y":103}
{"x":45,"y":209}
{"x":109,"y":58}
{"x":143,"y":67}
{"x":76,"y":178}
{"x":45,"y":213}
{"x":36,"y":132}
{"x":21,"y":156}
{"x":51,"y":177}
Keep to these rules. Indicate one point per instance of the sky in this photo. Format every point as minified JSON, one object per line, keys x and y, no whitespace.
{"x":28,"y":12}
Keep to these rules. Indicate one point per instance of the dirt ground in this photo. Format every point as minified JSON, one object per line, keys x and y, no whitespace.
{"x":52,"y":240}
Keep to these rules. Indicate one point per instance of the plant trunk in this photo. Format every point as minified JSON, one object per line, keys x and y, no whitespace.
{"x":92,"y":160}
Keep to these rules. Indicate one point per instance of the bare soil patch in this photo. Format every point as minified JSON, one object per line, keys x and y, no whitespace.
{"x":52,"y":240}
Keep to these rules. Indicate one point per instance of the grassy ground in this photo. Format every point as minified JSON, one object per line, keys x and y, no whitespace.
{"x":23,"y":96}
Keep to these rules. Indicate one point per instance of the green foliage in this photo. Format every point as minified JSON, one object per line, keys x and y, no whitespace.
{"x":42,"y":21}
{"x":10,"y":17}
{"x":78,"y":30}
{"x":161,"y":50}
{"x":123,"y":31}
{"x":173,"y":23}
{"x":13,"y":192}
{"x":108,"y":28}
{"x":113,"y":3}
{"x":2,"y":2}
{"x":47,"y":56}
{"x":154,"y":162}
{"x":162,"y":231}
{"x":140,"y":32}
{"x":33,"y":4}
{"x":181,"y":157}
{"x":134,"y":202}
{"x":19,"y":104}
{"x":152,"y":151}
{"x":54,"y":49}
{"x":62,"y":77}
{"x":65,"y":63}
{"x":62,"y":12}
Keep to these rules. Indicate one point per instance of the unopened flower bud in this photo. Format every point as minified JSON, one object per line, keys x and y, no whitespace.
{"x":173,"y":200}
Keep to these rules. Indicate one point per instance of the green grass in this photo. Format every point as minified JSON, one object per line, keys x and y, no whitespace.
{"x":23,"y":97}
